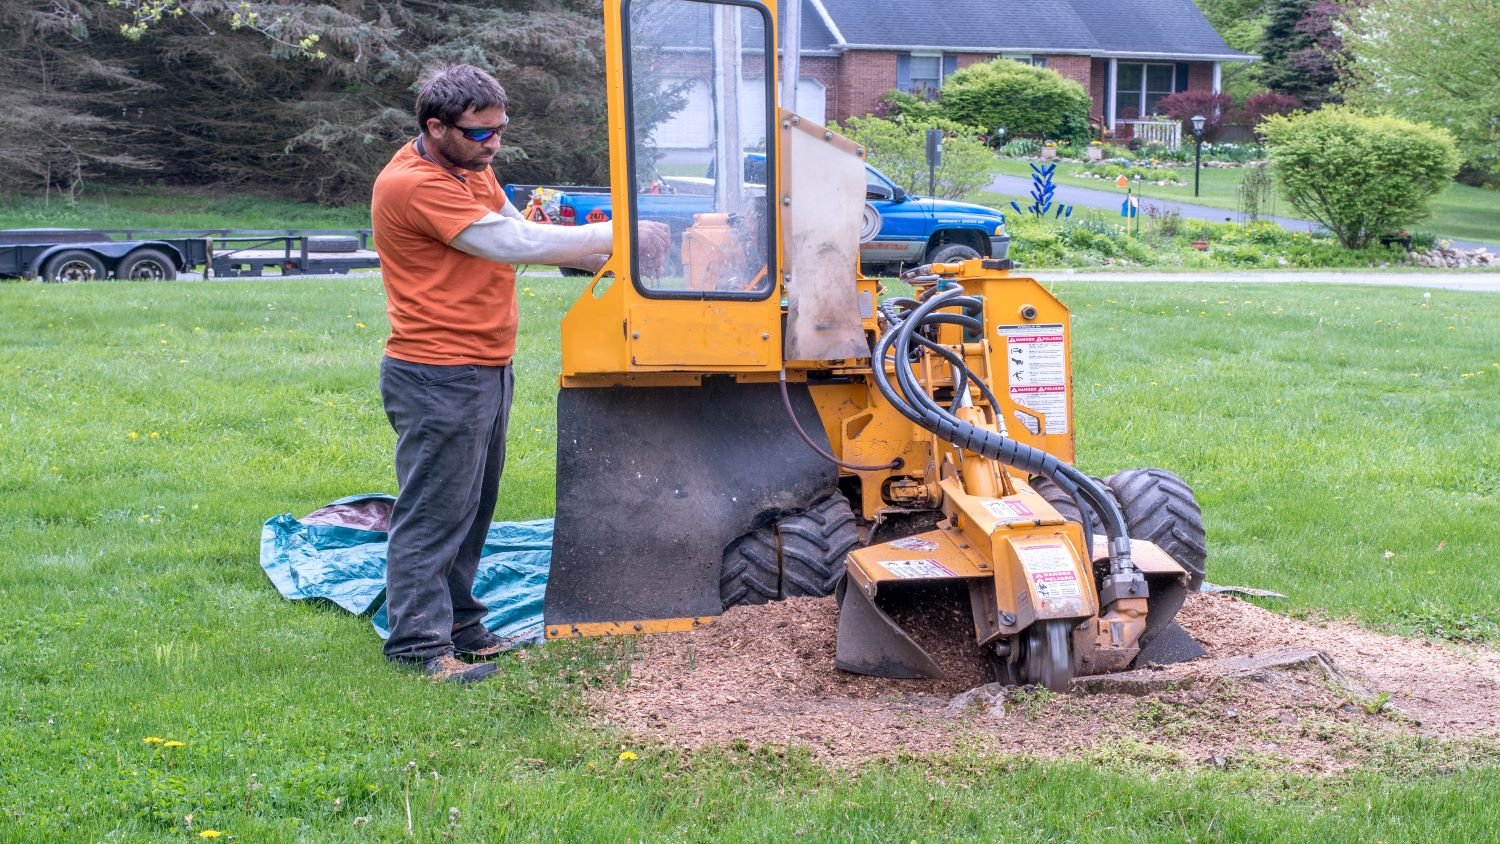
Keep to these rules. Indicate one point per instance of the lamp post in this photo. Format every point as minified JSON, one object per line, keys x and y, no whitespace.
{"x":1198,"y":121}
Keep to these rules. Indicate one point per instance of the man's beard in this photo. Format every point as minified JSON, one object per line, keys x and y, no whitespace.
{"x":460,"y":157}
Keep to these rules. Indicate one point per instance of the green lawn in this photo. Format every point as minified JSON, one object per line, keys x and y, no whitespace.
{"x":1461,"y":212}
{"x":161,"y":208}
{"x":150,"y":429}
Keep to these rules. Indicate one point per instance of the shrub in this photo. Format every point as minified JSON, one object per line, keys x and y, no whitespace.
{"x":1184,"y":105}
{"x":900,"y":105}
{"x":1359,"y":176}
{"x":1022,"y":148}
{"x":899,"y":149}
{"x":1258,"y":107}
{"x":1026,"y":100}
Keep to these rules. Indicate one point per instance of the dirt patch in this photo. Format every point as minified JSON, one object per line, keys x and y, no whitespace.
{"x":765,"y":676}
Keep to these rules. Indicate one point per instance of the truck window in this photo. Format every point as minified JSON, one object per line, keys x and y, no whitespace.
{"x":700,"y":99}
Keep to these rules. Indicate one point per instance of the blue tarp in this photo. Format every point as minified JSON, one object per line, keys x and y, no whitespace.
{"x":337,"y":553}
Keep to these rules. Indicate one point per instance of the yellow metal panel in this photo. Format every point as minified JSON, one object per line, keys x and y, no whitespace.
{"x":625,"y":628}
{"x":1014,"y":305}
{"x":700,"y":334}
{"x":934,"y":555}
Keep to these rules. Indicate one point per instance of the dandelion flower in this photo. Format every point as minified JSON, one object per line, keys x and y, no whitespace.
{"x":628,"y":756}
{"x":210,"y":833}
{"x":359,"y":325}
{"x":154,"y":739}
{"x":174,"y":744}
{"x":133,"y":435}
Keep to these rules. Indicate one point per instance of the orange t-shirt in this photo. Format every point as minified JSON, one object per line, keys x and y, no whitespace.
{"x":445,"y":306}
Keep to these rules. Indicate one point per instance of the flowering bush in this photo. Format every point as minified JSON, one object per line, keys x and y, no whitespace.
{"x":1184,"y":105}
{"x":1260,"y":106}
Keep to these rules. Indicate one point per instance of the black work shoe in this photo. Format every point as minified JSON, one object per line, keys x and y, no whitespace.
{"x":449,"y":669}
{"x":488,"y":646}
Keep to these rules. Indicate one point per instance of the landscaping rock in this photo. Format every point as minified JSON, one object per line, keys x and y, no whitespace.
{"x":1446,"y":257}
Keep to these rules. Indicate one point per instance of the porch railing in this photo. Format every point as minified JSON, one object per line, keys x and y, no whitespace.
{"x":1168,"y":133}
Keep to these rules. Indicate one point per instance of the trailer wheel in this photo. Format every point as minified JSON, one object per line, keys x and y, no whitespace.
{"x":751,"y":573}
{"x":1160,"y":507}
{"x":332,"y":243}
{"x":73,"y":265}
{"x":813,"y":547}
{"x":146,"y":265}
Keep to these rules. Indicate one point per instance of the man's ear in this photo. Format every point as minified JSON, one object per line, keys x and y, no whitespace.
{"x":435,"y":127}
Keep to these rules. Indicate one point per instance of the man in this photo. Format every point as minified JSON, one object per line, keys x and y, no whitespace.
{"x":448,"y":241}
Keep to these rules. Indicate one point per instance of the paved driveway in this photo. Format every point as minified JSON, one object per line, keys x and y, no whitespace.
{"x":1110,"y":200}
{"x":1485,"y":281}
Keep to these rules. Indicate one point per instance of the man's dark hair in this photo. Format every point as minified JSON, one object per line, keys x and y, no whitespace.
{"x":451,"y":90}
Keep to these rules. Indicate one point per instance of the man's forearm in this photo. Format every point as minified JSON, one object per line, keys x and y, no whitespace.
{"x":511,"y":240}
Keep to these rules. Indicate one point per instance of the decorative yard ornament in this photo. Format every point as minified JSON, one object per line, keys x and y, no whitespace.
{"x":1042,"y":189}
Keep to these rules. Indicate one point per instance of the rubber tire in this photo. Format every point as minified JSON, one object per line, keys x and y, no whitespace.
{"x":158,"y":264}
{"x":800,"y":555}
{"x":814,"y":545}
{"x":1064,"y":504}
{"x":948,"y":253}
{"x":332,"y":243}
{"x":751,"y":570}
{"x":71,"y":261}
{"x":1160,"y":507}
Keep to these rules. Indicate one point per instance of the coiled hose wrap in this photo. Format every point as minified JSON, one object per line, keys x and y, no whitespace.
{"x":902,"y":344}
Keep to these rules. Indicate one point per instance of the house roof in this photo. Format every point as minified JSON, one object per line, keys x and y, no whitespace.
{"x":1140,"y":29}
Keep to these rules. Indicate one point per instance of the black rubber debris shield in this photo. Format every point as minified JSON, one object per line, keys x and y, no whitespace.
{"x":654,"y":482}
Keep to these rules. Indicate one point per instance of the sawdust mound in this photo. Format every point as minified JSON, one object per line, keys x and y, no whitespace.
{"x":1313,"y":696}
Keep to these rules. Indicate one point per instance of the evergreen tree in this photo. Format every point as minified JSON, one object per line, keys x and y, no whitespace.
{"x":1300,"y":49}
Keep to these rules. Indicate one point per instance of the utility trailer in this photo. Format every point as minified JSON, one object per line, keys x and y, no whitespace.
{"x":239,"y":254}
{"x":64,"y":255}
{"x":68,"y":255}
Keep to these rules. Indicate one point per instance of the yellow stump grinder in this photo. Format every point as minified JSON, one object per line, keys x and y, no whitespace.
{"x":754,"y":423}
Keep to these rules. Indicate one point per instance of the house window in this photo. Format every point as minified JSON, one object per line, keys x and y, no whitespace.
{"x":1026,"y":58}
{"x":1139,"y":87}
{"x":926,"y":73}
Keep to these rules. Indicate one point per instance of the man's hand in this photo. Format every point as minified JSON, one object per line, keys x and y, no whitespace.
{"x":654,"y":240}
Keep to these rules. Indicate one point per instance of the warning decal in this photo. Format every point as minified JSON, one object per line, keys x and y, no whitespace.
{"x":1051,"y":570}
{"x":1037,"y":363}
{"x":916,"y":569}
{"x":1009,"y":511}
{"x":914,"y":543}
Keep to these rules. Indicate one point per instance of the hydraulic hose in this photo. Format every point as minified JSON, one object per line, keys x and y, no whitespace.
{"x":904,"y":319}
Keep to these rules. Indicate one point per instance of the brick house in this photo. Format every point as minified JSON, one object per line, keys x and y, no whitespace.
{"x":1128,"y":54}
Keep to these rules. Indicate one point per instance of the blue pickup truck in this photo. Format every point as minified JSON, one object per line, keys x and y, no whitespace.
{"x":909,"y":230}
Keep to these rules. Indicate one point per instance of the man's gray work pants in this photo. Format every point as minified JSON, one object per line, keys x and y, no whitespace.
{"x":450,"y":450}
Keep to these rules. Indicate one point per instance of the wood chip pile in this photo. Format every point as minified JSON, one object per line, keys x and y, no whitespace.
{"x":1317,"y":697}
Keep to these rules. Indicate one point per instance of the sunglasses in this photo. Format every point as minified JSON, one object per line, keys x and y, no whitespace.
{"x":480,"y":134}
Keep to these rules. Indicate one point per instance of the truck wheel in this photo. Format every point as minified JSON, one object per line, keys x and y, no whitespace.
{"x":948,"y":253}
{"x":73,"y":265}
{"x":1160,"y":507}
{"x":813,"y":547}
{"x":751,"y":573}
{"x":332,"y":243}
{"x":146,"y":265}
